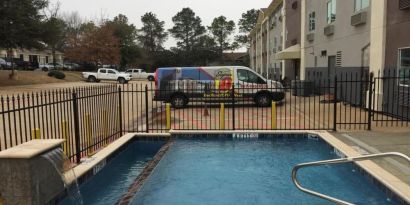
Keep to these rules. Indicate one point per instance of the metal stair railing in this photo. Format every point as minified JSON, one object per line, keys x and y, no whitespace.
{"x":338,"y":161}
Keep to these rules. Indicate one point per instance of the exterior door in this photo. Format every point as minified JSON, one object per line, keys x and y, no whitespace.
{"x":111,"y":75}
{"x":103,"y":74}
{"x":331,"y":72}
{"x":331,"y":67}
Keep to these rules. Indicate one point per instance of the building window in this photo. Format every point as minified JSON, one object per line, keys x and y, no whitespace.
{"x":404,"y":4}
{"x":294,"y":5}
{"x":46,"y":59}
{"x":360,"y":5}
{"x":331,"y":11}
{"x":312,"y":21}
{"x":404,"y":67}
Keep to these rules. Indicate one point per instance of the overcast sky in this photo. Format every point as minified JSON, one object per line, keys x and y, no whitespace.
{"x":207,"y":10}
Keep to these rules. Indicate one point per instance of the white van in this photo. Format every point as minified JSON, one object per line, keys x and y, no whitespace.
{"x":181,"y":85}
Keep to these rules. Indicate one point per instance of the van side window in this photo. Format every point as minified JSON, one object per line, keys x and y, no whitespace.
{"x":242,"y":75}
{"x":249,"y":77}
{"x":111,"y":72}
{"x":103,"y":71}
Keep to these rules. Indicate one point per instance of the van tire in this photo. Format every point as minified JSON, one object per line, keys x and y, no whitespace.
{"x":263,"y":100}
{"x":151,"y":78}
{"x":122,"y":80}
{"x":178,"y":101}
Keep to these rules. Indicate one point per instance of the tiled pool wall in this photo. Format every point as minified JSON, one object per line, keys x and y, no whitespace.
{"x":95,"y":170}
{"x":338,"y":153}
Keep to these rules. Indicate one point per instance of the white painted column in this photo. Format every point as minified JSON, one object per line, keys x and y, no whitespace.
{"x":303,"y":40}
{"x":378,"y":45}
{"x":285,"y":36}
{"x":261,"y":46}
{"x":267,"y":46}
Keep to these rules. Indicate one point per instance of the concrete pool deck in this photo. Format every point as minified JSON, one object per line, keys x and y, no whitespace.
{"x":387,"y":140}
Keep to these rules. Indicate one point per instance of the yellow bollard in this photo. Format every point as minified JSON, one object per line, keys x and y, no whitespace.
{"x":64,"y":130}
{"x":88,"y":133}
{"x":222,"y":117}
{"x":168,"y":115}
{"x":273,"y":115}
{"x":35,"y":134}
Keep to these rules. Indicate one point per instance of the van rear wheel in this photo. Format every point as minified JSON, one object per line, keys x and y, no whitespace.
{"x":263,"y":100}
{"x":179,"y":101}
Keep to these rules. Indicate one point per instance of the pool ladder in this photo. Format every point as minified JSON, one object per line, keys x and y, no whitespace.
{"x":338,"y":161}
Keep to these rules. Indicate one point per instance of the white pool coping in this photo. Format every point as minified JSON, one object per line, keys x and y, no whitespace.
{"x":88,"y":164}
{"x":400,"y":188}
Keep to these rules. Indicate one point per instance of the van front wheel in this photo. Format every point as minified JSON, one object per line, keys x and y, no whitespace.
{"x":263,"y":100}
{"x":178,"y":101}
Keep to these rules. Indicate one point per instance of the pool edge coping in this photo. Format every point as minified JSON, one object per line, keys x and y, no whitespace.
{"x":83,"y":168}
{"x":390,"y":181}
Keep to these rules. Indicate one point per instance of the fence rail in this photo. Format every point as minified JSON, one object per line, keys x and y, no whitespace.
{"x":89,"y":118}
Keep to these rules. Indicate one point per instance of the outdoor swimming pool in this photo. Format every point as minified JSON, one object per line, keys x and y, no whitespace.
{"x":222,"y":170}
{"x":252,"y":171}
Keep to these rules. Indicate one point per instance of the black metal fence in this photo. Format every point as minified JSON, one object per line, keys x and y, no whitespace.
{"x":89,"y":118}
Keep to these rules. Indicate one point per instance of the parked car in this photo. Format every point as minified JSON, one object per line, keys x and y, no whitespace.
{"x":107,"y":74}
{"x":140,"y":74}
{"x":179,"y":86}
{"x":70,"y":66}
{"x":23,"y":64}
{"x":3,"y":63}
{"x":46,"y":67}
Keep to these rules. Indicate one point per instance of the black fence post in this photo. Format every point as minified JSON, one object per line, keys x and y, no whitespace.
{"x":233,"y":107}
{"x":76,"y":128}
{"x":370,"y":104}
{"x":335,"y":106}
{"x":120,"y":108}
{"x":146,"y":109}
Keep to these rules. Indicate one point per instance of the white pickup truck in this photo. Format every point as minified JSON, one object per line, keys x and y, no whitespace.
{"x":140,"y":74}
{"x":107,"y":74}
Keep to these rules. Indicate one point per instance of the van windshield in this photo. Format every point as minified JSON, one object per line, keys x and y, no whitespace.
{"x":249,"y":77}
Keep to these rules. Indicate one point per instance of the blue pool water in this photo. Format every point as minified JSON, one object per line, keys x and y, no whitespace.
{"x":108,"y":185}
{"x":228,"y":171}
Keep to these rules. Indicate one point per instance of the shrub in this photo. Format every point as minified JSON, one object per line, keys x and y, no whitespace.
{"x":57,"y":74}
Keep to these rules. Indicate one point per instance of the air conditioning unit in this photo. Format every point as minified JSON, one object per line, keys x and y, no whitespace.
{"x":329,"y":30}
{"x":359,"y":18}
{"x":310,"y":37}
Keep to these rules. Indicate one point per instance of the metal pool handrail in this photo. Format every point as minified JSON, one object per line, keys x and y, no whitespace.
{"x":338,"y":161}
